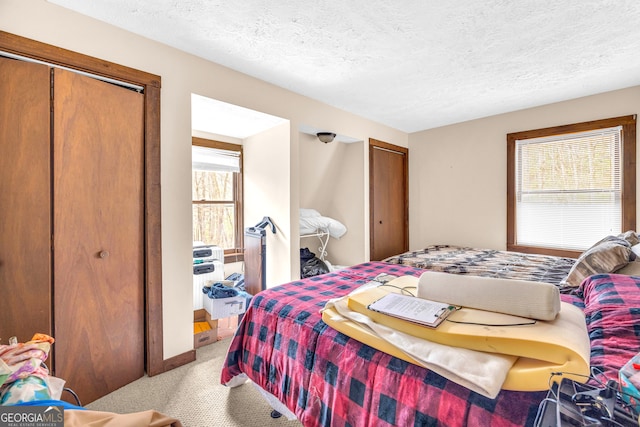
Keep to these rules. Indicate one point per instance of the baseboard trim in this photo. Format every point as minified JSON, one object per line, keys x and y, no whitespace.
{"x":179,"y":360}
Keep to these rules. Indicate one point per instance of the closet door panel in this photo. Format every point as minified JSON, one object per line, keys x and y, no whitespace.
{"x":25,"y":225}
{"x":388,"y":199}
{"x":98,"y":234}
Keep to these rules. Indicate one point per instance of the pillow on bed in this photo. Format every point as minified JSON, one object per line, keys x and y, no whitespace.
{"x":630,"y":236}
{"x":606,"y":256}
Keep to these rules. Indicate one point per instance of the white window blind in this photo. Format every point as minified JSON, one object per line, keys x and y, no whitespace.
{"x":569,"y":189}
{"x":214,"y":160}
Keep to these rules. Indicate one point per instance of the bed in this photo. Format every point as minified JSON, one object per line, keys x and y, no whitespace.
{"x":325,"y":378}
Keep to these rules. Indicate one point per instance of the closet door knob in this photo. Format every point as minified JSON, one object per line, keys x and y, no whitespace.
{"x":104,"y":254}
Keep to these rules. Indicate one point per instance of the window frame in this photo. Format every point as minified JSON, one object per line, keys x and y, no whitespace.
{"x":234,"y":254}
{"x":628,"y":164}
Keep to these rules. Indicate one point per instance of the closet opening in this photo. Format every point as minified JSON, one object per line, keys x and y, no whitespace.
{"x":22,"y":50}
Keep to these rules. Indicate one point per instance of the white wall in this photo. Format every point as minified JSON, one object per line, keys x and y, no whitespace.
{"x":458,"y":173}
{"x":182,"y":75}
{"x":267,"y":192}
{"x":333,"y":182}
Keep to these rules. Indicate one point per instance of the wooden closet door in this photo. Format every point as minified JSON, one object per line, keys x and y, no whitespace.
{"x":25,"y":226}
{"x":98,"y":234}
{"x":388,"y":199}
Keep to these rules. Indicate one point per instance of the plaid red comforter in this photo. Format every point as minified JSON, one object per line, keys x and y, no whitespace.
{"x":329,"y":379}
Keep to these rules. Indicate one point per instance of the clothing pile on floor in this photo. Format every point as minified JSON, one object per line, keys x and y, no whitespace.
{"x":23,"y":375}
{"x":25,"y":381}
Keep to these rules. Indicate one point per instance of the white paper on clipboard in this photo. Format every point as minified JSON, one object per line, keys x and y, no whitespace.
{"x":418,"y":310}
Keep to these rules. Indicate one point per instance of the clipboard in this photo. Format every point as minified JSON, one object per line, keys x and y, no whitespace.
{"x":421,"y":311}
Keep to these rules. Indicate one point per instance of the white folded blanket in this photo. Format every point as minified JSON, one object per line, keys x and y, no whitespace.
{"x":312,"y":221}
{"x":535,"y":300}
{"x":481,"y":372}
{"x":310,"y":225}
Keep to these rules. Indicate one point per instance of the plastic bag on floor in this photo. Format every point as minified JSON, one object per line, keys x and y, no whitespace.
{"x":312,"y":267}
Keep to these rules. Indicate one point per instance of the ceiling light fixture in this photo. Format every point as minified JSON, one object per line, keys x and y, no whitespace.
{"x":326,"y":136}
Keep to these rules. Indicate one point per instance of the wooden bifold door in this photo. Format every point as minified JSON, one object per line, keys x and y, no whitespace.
{"x":72,"y":225}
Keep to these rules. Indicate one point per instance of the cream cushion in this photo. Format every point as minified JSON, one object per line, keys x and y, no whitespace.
{"x":535,"y":300}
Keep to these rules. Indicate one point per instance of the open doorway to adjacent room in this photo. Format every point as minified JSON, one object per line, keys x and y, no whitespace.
{"x":219,"y":132}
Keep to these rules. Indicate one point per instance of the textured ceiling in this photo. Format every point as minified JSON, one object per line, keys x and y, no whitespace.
{"x":410,"y":64}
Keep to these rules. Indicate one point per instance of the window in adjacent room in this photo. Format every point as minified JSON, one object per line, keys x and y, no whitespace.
{"x":569,"y":186}
{"x":217,"y":195}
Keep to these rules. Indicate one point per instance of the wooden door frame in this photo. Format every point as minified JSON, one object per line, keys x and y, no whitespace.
{"x":401,"y":150}
{"x":23,"y":47}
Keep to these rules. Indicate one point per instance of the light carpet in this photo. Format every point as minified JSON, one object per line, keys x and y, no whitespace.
{"x":193,"y":394}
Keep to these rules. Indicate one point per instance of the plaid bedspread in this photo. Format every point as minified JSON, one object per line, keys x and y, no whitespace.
{"x":612,"y":312}
{"x":488,"y":263}
{"x":329,"y":379}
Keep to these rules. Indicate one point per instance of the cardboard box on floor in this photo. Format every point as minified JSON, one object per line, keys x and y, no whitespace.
{"x":207,"y":330}
{"x":201,"y":334}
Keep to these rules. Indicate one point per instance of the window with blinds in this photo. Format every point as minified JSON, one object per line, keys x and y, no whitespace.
{"x":217,"y":194}
{"x":215,"y":159}
{"x":567,"y":186}
{"x":569,"y":189}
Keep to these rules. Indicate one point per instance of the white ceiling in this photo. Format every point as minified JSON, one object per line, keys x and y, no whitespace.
{"x":410,"y":64}
{"x":217,"y":117}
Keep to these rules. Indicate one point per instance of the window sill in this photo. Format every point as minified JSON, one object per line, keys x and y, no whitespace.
{"x":233,"y":257}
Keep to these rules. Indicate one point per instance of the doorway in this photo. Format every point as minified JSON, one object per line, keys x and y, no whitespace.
{"x":228,"y":129}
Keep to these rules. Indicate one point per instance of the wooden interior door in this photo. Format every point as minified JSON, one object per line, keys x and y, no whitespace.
{"x":98,"y":208}
{"x":25,"y":226}
{"x":388,"y":199}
